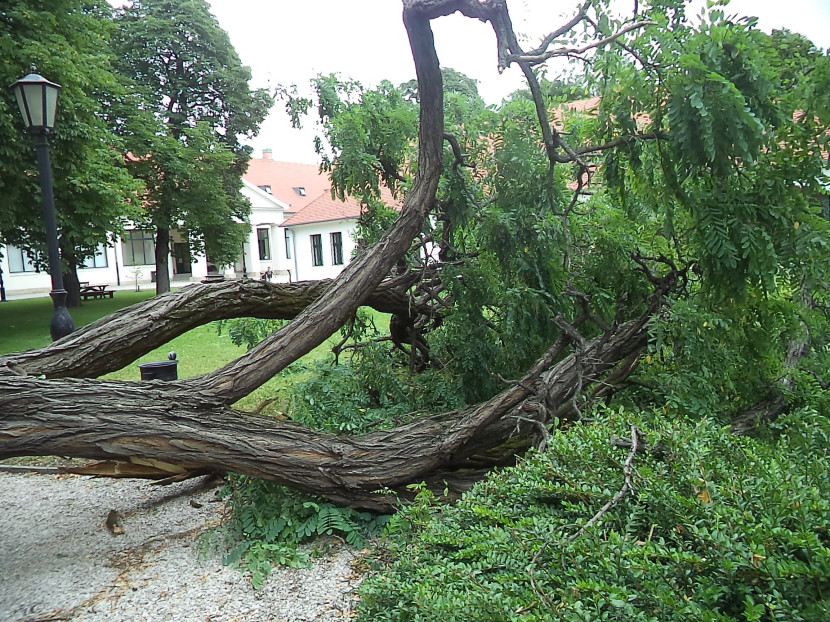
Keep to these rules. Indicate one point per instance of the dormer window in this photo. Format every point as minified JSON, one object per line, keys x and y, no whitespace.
{"x":300,"y":191}
{"x":265,"y":189}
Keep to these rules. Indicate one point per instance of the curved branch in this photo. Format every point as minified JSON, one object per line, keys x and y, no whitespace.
{"x":117,"y":340}
{"x":349,"y":290}
{"x":536,"y":59}
{"x":167,"y":422}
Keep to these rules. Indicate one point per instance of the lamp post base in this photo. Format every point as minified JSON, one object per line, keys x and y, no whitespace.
{"x":62,"y":323}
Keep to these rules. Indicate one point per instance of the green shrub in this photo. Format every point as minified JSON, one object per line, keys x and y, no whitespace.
{"x":248,"y":331}
{"x":718,"y":527}
{"x":369,"y":388}
{"x":267,"y":522}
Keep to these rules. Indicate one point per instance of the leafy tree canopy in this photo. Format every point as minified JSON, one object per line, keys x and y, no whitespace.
{"x":68,"y":42}
{"x":187,"y":78}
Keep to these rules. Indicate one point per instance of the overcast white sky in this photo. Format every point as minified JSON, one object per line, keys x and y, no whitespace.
{"x":287,"y":42}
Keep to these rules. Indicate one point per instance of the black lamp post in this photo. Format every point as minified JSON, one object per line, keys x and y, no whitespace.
{"x":38,"y":101}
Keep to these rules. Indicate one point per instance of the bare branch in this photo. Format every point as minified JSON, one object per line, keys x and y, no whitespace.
{"x":622,"y":140}
{"x":541,"y":58}
{"x":580,"y":15}
{"x":626,"y":488}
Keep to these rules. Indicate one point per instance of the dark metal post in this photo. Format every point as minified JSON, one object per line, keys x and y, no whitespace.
{"x":244,"y":267}
{"x":2,"y":287}
{"x":62,"y":323}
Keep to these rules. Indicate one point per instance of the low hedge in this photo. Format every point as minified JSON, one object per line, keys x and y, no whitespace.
{"x":715,"y":527}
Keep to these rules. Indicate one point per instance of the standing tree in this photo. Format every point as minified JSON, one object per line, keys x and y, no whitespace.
{"x":93,"y":190}
{"x":185,"y":74}
{"x":707,"y":211}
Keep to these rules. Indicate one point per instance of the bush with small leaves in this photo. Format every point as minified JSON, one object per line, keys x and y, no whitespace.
{"x":715,"y":527}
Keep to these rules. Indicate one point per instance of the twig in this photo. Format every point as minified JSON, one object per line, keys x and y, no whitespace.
{"x":517,"y":383}
{"x":543,"y":443}
{"x":540,"y":58}
{"x":626,"y":488}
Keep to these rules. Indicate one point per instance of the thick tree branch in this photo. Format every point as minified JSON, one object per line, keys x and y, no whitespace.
{"x":119,"y":339}
{"x":171,"y":424}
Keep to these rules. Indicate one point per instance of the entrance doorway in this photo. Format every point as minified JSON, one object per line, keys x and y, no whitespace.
{"x":181,"y":257}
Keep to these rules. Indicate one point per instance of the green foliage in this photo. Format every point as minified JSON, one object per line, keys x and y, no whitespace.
{"x":248,"y":331}
{"x":725,"y":189}
{"x":367,"y":389}
{"x":737,"y":173}
{"x":267,"y":523}
{"x":189,"y":104}
{"x":370,"y":388}
{"x":460,"y":91}
{"x":717,"y":528}
{"x":369,"y":135}
{"x":558,"y":90}
{"x":69,"y":43}
{"x":716,"y":363}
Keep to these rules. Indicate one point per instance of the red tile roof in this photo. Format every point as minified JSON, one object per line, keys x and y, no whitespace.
{"x":313,"y":203}
{"x":324,"y":208}
{"x":285,"y":178}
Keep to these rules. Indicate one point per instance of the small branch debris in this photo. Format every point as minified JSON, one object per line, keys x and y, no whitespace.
{"x":626,"y":487}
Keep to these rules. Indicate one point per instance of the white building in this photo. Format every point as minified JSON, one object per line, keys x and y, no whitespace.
{"x":298,"y":232}
{"x":312,"y":237}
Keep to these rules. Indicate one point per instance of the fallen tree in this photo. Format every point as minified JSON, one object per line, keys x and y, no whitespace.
{"x":51,"y":402}
{"x":113,"y":342}
{"x":173,"y":428}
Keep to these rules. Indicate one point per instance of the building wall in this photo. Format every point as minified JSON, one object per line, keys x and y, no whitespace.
{"x":268,"y":213}
{"x":113,"y":273}
{"x":31,"y":282}
{"x":303,"y":267}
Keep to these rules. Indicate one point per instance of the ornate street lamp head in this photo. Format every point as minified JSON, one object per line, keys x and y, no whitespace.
{"x":38,"y":101}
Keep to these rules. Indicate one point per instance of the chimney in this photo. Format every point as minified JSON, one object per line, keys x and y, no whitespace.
{"x":268,"y":154}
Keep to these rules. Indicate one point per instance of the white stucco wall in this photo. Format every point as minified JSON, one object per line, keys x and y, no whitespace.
{"x":303,"y":269}
{"x":267,"y":212}
{"x":31,"y":282}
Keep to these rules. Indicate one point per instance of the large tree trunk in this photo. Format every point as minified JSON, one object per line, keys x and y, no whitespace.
{"x":116,"y":341}
{"x":169,"y":423}
{"x":72,"y":285}
{"x":162,"y":256}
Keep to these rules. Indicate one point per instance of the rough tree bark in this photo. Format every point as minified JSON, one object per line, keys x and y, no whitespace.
{"x":169,"y":424}
{"x":51,"y":403}
{"x":115,"y":341}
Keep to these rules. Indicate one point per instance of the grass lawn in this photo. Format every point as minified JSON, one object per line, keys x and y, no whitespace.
{"x":24,"y":324}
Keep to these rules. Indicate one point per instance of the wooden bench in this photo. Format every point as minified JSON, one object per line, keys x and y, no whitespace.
{"x":95,"y":291}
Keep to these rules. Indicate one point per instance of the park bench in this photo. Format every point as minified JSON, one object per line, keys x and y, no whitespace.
{"x":95,"y":291}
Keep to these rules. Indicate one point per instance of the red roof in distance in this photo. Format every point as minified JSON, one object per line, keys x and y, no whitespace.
{"x":305,"y":188}
{"x":291,"y":182}
{"x":324,"y":208}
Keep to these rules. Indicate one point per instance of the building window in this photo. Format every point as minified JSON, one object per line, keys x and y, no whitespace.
{"x":139,"y":248}
{"x":99,"y":260}
{"x":337,"y":248}
{"x":263,"y":237}
{"x":287,"y":244}
{"x":317,"y":250}
{"x":19,"y":260}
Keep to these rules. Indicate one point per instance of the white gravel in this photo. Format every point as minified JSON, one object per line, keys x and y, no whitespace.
{"x":58,"y":560}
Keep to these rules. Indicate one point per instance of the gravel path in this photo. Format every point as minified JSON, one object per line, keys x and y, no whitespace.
{"x":58,"y":560}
